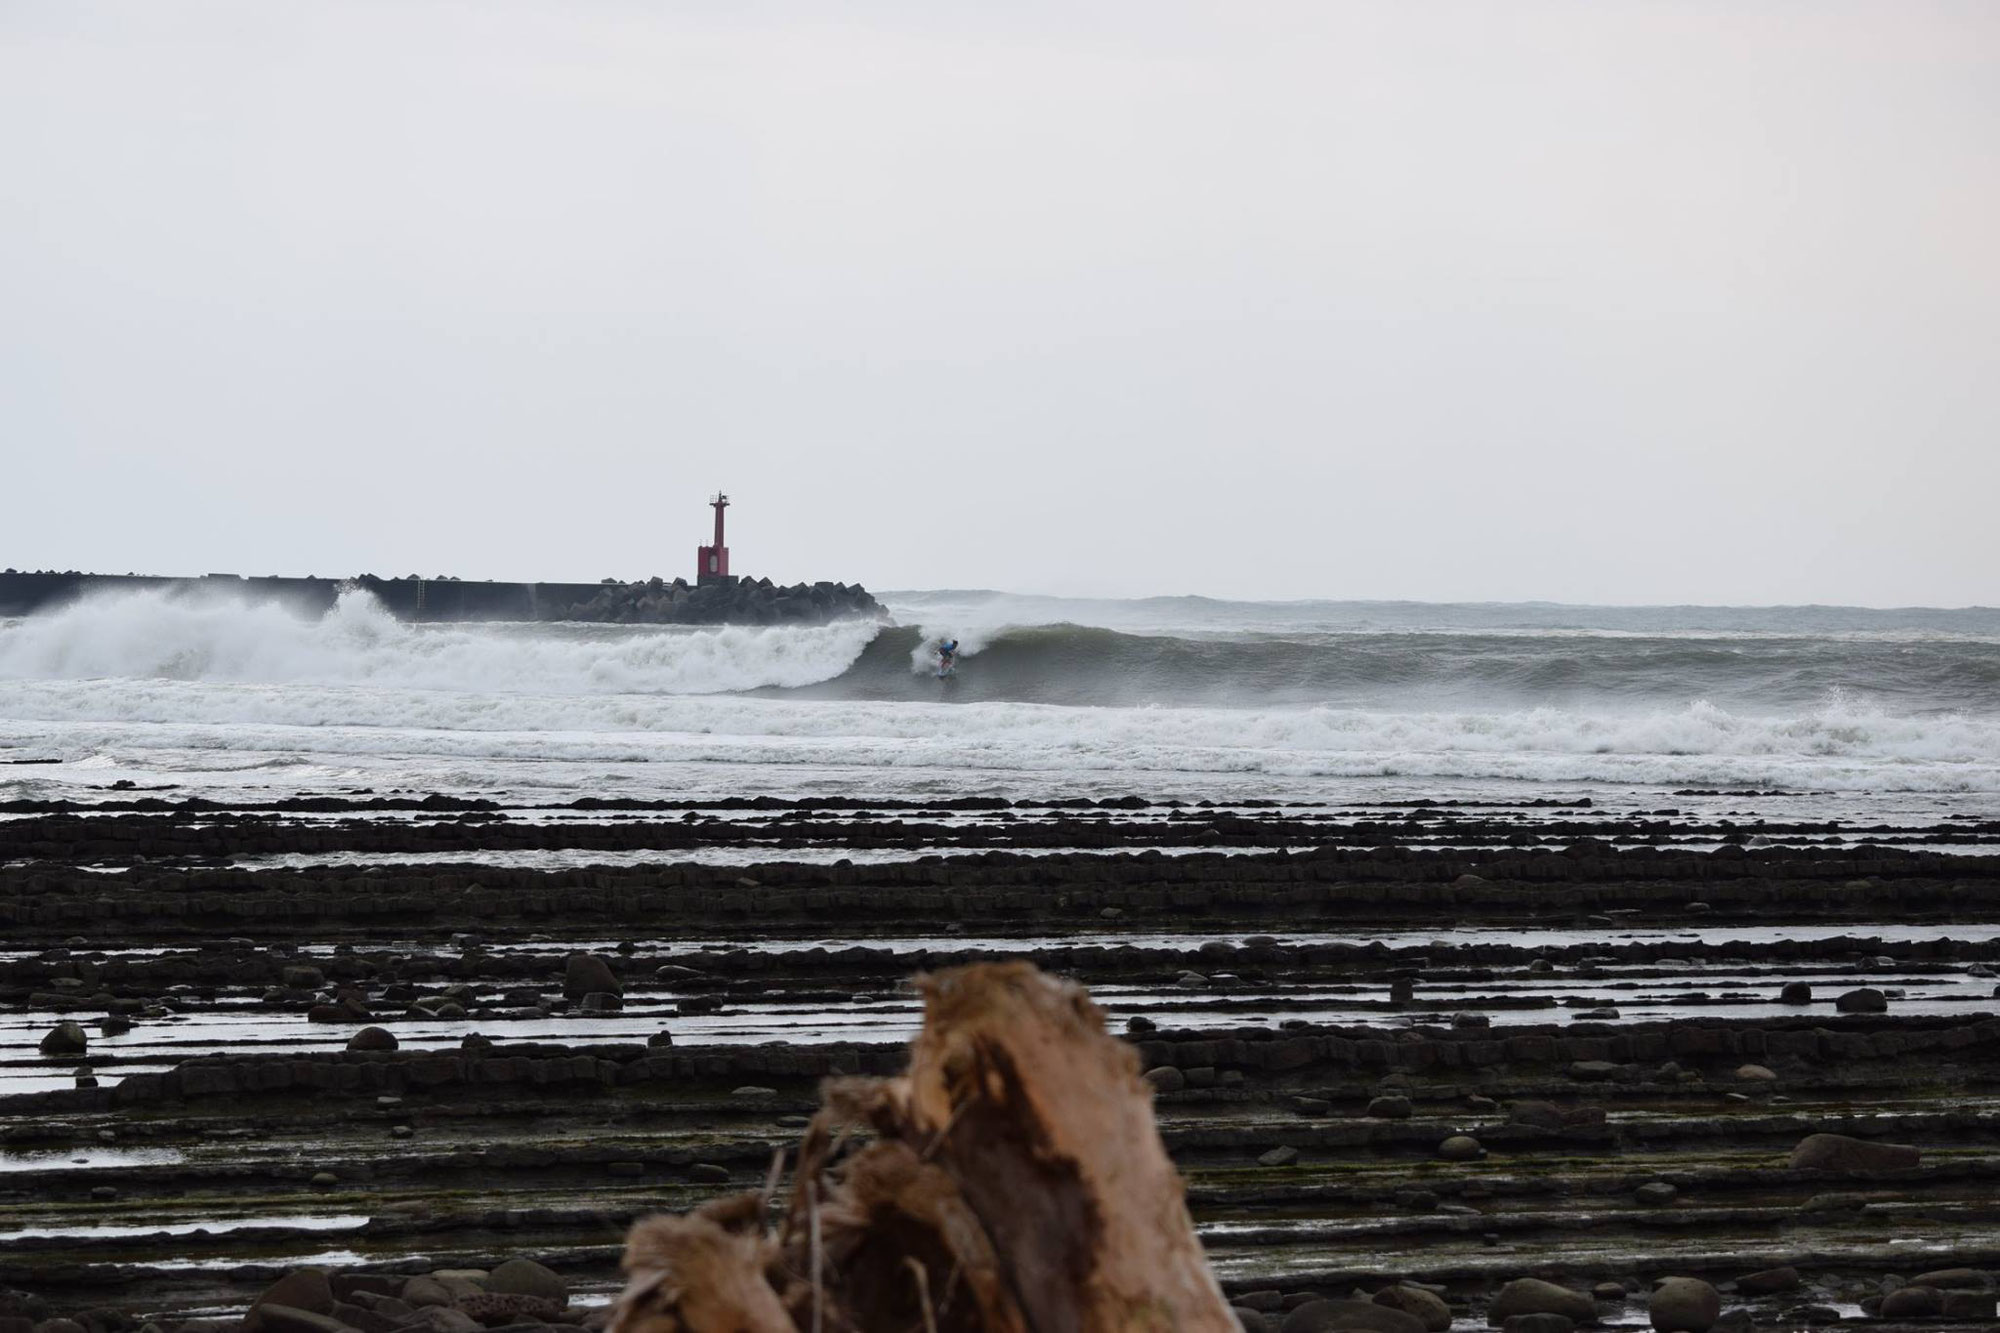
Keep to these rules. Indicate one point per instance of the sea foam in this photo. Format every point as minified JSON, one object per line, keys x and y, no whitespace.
{"x":164,"y":684}
{"x":160,"y":636}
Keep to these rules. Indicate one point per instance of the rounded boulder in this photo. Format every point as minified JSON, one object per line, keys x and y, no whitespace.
{"x":1867,"y":1000}
{"x":587,"y":974}
{"x":66,"y":1038}
{"x":1684,"y":1305}
{"x":525,"y":1277}
{"x":1954,"y":1279}
{"x":1913,"y":1303}
{"x":306,"y":1289}
{"x":1531,"y":1295}
{"x":1838,"y":1152}
{"x":1326,"y":1316}
{"x":1418,"y":1303}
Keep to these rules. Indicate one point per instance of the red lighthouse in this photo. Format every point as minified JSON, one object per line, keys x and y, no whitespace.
{"x":712,"y":562}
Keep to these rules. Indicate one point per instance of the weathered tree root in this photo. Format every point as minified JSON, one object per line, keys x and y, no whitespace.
{"x":1014,"y":1184}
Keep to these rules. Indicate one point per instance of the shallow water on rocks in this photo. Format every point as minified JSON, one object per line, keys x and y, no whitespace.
{"x":84,"y":1159}
{"x":213,"y":1226}
{"x":1643,"y":992}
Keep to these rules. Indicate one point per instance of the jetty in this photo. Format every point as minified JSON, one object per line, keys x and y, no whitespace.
{"x":714,"y":597}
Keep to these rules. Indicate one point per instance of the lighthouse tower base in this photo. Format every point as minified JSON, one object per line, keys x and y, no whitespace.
{"x":711,"y":563}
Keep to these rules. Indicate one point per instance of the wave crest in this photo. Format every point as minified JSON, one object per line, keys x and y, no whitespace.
{"x":155,"y":635}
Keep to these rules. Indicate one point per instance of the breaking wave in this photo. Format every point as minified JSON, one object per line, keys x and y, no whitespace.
{"x":161,"y":636}
{"x":175,"y":684}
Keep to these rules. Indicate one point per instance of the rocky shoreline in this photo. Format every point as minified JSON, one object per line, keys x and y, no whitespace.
{"x":1420,"y":1054}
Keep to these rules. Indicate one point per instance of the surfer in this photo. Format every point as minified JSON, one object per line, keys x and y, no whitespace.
{"x":947,"y":657}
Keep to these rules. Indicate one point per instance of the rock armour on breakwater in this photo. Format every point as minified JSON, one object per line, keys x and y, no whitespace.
{"x":654,"y":601}
{"x":739,"y":601}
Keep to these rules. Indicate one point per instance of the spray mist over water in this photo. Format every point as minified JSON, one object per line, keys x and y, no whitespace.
{"x":155,"y":635}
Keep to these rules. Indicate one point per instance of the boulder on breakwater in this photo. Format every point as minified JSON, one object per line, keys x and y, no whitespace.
{"x":654,"y":601}
{"x":736,"y":601}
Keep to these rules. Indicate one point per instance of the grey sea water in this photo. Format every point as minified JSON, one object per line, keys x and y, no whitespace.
{"x":1838,"y":710}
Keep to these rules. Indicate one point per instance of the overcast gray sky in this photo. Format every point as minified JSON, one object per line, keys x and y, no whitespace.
{"x":1586,"y":301}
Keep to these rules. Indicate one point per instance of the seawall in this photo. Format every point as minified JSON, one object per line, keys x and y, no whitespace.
{"x":654,"y":601}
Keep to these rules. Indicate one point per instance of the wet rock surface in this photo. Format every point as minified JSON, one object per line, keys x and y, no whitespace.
{"x":1424,"y":1053}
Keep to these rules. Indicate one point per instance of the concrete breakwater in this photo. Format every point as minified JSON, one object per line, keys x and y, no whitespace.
{"x":655,"y":601}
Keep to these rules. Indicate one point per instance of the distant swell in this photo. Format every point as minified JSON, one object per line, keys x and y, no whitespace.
{"x":1078,"y":664}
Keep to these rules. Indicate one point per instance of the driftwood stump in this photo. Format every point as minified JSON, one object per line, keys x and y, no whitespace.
{"x":1014,"y":1183}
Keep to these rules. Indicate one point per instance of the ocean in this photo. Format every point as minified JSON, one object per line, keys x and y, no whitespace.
{"x":1823,"y":711}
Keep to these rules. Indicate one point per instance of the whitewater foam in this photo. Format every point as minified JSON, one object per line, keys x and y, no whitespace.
{"x":210,"y":693}
{"x":155,"y":635}
{"x":1835,"y":747}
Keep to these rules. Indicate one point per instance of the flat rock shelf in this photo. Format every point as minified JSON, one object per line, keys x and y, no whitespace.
{"x":1449,"y":1046}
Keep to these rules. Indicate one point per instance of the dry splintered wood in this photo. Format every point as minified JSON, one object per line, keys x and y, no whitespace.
{"x":1011,"y":1182}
